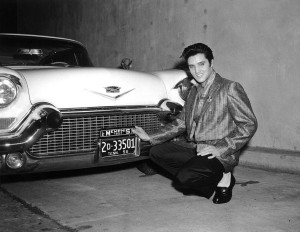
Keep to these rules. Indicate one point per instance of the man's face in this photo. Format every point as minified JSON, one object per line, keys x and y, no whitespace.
{"x":199,"y":67}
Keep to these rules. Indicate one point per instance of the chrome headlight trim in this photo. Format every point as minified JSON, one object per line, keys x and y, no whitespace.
{"x":184,"y":87}
{"x":8,"y":90}
{"x":173,"y":107}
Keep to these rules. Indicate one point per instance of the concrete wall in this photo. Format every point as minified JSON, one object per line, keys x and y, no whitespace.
{"x":255,"y":42}
{"x":8,"y":15}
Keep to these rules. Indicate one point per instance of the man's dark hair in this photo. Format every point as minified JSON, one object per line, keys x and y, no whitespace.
{"x":198,"y":48}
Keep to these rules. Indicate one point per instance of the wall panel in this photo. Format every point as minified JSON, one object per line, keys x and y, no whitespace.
{"x":255,"y":42}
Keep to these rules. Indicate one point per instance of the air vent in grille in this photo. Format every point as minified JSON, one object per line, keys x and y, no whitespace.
{"x":78,"y":134}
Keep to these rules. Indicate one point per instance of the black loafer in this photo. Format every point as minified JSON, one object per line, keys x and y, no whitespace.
{"x":224,"y":194}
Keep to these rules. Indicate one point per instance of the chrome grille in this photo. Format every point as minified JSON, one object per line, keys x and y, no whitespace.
{"x":78,"y":134}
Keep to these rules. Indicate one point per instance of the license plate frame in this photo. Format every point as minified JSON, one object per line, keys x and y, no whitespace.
{"x":118,"y":142}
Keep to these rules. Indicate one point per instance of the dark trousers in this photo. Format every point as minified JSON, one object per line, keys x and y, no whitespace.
{"x":190,"y":172}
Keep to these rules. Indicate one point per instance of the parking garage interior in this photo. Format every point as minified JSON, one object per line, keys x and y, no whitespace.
{"x":255,"y":43}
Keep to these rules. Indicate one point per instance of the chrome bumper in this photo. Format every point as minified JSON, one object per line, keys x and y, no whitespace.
{"x":78,"y":161}
{"x":42,"y":118}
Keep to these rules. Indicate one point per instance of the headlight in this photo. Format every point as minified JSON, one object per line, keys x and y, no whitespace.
{"x":8,"y":91}
{"x":183,"y":87}
{"x":174,"y":107}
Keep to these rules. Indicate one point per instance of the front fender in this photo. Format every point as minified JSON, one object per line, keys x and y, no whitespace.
{"x":172,"y":79}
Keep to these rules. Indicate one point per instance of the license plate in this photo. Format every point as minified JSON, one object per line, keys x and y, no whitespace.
{"x":118,"y":142}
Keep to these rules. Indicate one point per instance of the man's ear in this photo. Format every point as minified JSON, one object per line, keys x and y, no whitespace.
{"x":211,"y":63}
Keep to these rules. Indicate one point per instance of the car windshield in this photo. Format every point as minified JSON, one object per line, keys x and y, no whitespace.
{"x":41,"y":51}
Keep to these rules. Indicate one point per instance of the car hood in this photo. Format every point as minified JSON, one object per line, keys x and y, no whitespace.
{"x":93,"y":87}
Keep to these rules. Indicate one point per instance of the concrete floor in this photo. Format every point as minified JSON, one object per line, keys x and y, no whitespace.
{"x":124,"y":200}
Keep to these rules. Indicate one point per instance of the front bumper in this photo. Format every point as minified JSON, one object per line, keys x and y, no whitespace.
{"x":78,"y":161}
{"x":42,"y":118}
{"x":71,"y":145}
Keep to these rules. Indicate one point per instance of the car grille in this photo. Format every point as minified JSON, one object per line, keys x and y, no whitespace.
{"x":78,"y":134}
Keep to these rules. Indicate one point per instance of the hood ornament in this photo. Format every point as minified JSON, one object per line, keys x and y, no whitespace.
{"x":112,"y":89}
{"x":111,"y":92}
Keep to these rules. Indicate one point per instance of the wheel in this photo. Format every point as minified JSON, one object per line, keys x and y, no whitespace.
{"x":146,"y":167}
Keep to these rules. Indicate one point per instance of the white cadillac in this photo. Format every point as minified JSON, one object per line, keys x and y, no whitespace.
{"x":58,"y":112}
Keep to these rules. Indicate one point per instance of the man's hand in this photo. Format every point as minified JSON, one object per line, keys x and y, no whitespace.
{"x":141,"y":133}
{"x":210,"y":150}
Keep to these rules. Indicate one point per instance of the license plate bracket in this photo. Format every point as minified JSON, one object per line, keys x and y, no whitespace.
{"x":118,"y":142}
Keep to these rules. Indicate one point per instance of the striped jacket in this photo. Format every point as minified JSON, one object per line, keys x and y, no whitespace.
{"x":226,"y":121}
